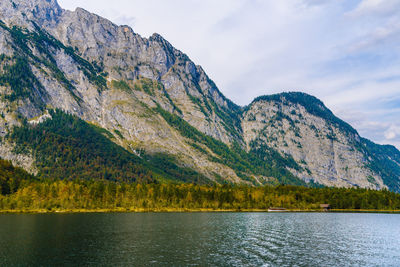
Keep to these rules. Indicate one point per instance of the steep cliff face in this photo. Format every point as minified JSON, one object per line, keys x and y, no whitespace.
{"x":329,"y":151}
{"x":110,"y":76}
{"x":151,"y":97}
{"x":125,"y":56}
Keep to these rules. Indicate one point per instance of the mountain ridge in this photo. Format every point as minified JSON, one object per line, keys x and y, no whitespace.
{"x":151,"y":97}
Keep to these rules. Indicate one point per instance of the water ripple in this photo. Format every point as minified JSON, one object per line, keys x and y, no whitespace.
{"x":201,"y":239}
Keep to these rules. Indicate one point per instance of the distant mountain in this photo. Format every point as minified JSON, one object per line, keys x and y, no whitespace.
{"x":328,"y":150}
{"x":84,"y":98}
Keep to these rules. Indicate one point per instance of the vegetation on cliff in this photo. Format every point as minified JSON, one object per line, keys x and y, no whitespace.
{"x":312,"y":104}
{"x":384,"y":161}
{"x":43,"y":66}
{"x":267,"y":162}
{"x":66,"y":147}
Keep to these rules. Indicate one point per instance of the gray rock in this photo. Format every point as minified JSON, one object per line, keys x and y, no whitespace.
{"x":176,"y":84}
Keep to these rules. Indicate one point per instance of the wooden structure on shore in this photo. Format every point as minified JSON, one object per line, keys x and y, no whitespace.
{"x":325,"y":207}
{"x":272,"y":209}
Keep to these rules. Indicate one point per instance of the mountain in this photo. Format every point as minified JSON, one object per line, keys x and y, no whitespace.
{"x":84,"y":98}
{"x":328,"y":150}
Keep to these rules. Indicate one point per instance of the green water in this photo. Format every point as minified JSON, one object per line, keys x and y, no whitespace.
{"x":200,"y":239}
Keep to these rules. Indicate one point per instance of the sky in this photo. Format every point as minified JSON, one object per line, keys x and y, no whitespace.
{"x":345,"y":52}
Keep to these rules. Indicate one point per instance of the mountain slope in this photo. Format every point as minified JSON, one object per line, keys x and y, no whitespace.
{"x":65,"y":146}
{"x":329,"y":150}
{"x":11,"y":177}
{"x":383,"y":160}
{"x":159,"y":112}
{"x":60,"y":78}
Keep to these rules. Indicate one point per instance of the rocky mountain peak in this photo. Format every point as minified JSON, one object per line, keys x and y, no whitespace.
{"x":299,"y":125}
{"x":150,"y":98}
{"x":312,"y":105}
{"x":20,"y":12}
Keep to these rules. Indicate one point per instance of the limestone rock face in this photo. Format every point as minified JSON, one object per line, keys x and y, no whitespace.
{"x":153,"y":72}
{"x":43,"y":12}
{"x":112,"y":77}
{"x":124,"y":55}
{"x":327,"y":153}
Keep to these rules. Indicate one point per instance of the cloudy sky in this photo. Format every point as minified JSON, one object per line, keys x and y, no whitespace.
{"x":345,"y":52}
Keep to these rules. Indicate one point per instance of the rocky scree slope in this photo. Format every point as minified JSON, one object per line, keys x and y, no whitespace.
{"x":153,"y":100}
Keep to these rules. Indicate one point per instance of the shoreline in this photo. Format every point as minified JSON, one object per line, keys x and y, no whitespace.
{"x":175,"y":210}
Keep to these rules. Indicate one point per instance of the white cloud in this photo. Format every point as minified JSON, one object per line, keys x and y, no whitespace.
{"x":346,"y":52}
{"x":393,"y":132}
{"x":376,"y":7}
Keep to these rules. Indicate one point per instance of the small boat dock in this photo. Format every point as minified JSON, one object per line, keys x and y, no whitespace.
{"x":273,"y":209}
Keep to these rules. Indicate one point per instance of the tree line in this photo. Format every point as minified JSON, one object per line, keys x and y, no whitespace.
{"x":53,"y":195}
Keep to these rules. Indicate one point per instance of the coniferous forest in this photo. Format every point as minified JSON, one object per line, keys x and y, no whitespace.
{"x":25,"y":193}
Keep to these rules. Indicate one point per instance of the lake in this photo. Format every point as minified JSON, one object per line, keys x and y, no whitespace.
{"x":200,"y":239}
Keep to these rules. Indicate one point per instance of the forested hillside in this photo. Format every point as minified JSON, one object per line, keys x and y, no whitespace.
{"x":66,"y":147}
{"x":12,"y":178}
